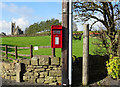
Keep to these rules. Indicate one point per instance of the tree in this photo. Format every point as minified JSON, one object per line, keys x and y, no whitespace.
{"x":42,"y":26}
{"x":85,"y":11}
{"x":32,"y":28}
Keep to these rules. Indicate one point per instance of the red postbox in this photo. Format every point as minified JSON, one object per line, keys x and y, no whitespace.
{"x":56,"y":36}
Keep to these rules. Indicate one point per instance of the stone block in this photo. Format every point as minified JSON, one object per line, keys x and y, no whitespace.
{"x":24,"y":78}
{"x":30,"y":69}
{"x":29,"y":66}
{"x":32,"y":80}
{"x":46,"y":82}
{"x":50,"y":79}
{"x":40,"y":80}
{"x":13,"y":77}
{"x":55,"y":83}
{"x":55,"y":60}
{"x":12,"y":66}
{"x":30,"y":74}
{"x":26,"y":73}
{"x":55,"y":73}
{"x":39,"y":70}
{"x":13,"y":74}
{"x":36,"y":74}
{"x":59,"y":78}
{"x":45,"y":67}
{"x":7,"y":66}
{"x":3,"y":76}
{"x":7,"y":77}
{"x":59,"y":68}
{"x":44,"y":60}
{"x":38,"y":67}
{"x":59,"y":81}
{"x":43,"y":74}
{"x":33,"y":77}
{"x":26,"y":61}
{"x":34,"y":61}
{"x":18,"y":70}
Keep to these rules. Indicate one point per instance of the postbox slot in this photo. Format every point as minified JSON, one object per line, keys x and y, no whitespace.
{"x":56,"y":32}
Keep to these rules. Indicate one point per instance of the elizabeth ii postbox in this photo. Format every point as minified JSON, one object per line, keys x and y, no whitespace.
{"x":56,"y":36}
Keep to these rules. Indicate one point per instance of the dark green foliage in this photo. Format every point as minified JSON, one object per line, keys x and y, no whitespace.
{"x":77,"y":36}
{"x":42,"y":26}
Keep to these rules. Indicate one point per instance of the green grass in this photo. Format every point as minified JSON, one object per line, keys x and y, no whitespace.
{"x":44,"y":41}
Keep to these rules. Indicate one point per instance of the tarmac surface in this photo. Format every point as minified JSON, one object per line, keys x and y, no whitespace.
{"x":106,"y":82}
{"x":9,"y":83}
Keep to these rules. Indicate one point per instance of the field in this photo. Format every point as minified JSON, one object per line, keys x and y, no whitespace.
{"x":45,"y":41}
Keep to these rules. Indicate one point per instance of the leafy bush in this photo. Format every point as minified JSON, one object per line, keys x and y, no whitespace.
{"x":113,"y":67}
{"x":73,"y":58}
{"x":98,"y":48}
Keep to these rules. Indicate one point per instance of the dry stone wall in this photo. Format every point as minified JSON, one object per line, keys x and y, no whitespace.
{"x":8,"y":71}
{"x":42,"y":70}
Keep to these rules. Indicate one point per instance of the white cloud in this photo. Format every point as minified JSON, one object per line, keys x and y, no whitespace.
{"x":21,"y":22}
{"x":23,"y":11}
{"x":6,"y":26}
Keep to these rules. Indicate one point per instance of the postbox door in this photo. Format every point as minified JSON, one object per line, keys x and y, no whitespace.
{"x":57,"y":41}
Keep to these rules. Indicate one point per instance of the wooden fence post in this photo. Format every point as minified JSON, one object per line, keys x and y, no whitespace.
{"x":53,"y":52}
{"x":6,"y":51}
{"x":31,"y":51}
{"x":16,"y":55}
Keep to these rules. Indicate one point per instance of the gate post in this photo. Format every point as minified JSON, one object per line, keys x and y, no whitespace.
{"x":18,"y":71}
{"x":85,"y":54}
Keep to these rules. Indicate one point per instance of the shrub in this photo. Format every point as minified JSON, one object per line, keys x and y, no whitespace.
{"x":73,"y":58}
{"x":113,"y":67}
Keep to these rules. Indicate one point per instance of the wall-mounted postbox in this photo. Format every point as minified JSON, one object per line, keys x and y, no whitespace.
{"x":56,"y":36}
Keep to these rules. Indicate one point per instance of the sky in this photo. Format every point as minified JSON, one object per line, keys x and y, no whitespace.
{"x":27,"y":13}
